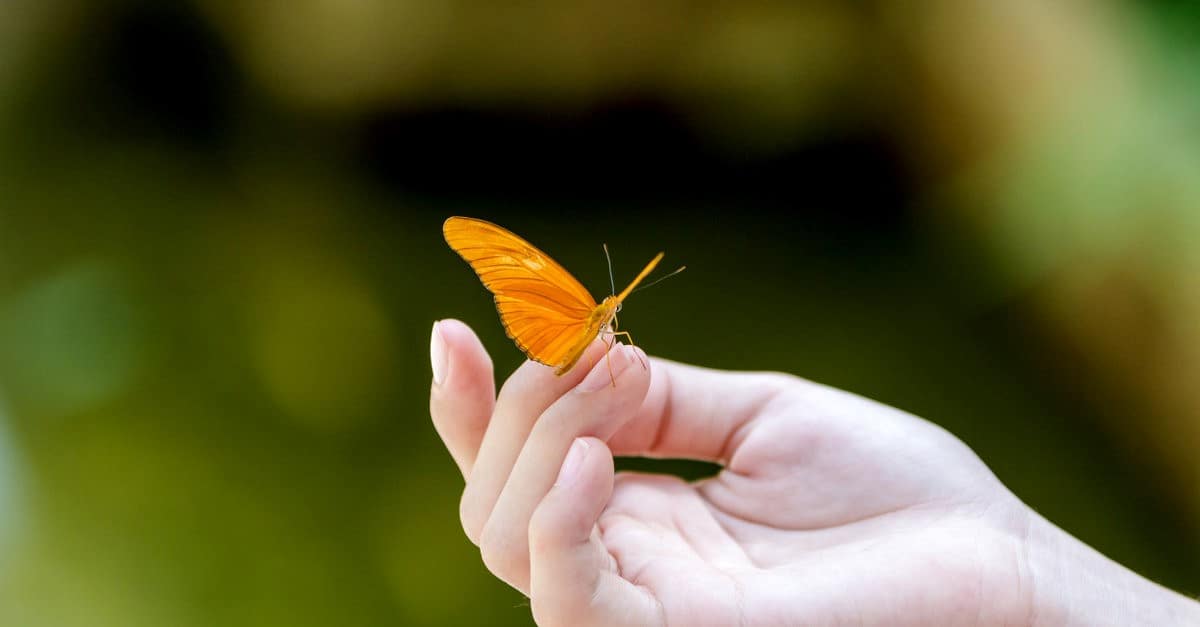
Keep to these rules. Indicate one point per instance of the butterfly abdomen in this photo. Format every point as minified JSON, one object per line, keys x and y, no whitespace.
{"x":598,"y":320}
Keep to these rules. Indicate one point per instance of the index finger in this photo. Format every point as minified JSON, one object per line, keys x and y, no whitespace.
{"x":697,"y":413}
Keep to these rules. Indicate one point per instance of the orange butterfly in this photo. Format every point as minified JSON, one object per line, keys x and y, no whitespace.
{"x":544,"y":309}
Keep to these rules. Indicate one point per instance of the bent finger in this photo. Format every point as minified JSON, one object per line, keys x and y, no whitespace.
{"x":528,"y":392}
{"x":697,"y":413}
{"x":597,"y":407}
{"x":573,"y":578}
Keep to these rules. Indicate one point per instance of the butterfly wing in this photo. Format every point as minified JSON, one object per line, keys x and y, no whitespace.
{"x":544,"y":309}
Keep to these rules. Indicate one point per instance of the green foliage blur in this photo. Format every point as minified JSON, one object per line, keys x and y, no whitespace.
{"x":220,"y":258}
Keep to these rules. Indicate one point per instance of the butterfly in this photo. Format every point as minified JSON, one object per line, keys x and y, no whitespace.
{"x":548,"y":313}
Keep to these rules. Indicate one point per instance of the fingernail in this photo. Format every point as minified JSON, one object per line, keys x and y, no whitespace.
{"x":437,"y":354}
{"x":571,"y":465}
{"x":618,"y":358}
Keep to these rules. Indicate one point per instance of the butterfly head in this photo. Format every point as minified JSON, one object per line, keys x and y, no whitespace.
{"x":605,"y":311}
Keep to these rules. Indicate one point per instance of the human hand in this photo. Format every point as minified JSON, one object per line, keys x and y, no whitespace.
{"x":830,"y":508}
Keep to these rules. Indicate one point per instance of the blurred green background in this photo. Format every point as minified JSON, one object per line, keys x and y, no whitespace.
{"x":220,"y":257}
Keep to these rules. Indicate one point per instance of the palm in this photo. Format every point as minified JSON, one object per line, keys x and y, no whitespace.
{"x":817,"y":511}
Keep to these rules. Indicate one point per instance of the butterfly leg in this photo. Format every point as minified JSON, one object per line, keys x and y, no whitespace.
{"x":614,"y":332}
{"x":609,"y":341}
{"x":609,"y":361}
{"x":630,"y":338}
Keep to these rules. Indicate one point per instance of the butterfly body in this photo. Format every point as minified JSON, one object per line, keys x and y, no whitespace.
{"x":599,"y":320}
{"x":549,"y":315}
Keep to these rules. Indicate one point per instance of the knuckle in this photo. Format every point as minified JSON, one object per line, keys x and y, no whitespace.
{"x":555,"y":611}
{"x":490,"y":551}
{"x":467,"y":515}
{"x":501,"y":554}
{"x":777,"y":380}
{"x":545,"y":614}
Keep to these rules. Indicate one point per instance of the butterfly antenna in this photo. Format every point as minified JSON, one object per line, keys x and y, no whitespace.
{"x":611,"y":283}
{"x":661,"y":279}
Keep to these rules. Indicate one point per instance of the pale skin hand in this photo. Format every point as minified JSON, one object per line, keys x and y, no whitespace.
{"x":830,"y":509}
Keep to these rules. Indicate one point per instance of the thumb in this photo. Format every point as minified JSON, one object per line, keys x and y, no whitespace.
{"x":573,"y":578}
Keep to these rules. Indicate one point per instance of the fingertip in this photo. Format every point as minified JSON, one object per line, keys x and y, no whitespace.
{"x":462,"y":395}
{"x":438,"y":354}
{"x":596,"y":469}
{"x":454,"y":327}
{"x":642,"y":357}
{"x":465,"y":362}
{"x":461,"y":336}
{"x":642,"y":361}
{"x":633,"y":384}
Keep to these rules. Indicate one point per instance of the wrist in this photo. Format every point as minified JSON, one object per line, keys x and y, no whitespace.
{"x":1073,"y":584}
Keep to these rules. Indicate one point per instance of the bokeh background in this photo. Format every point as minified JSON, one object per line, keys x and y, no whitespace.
{"x":220,"y":257}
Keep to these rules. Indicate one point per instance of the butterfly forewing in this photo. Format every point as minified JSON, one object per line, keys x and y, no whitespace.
{"x":543,"y":308}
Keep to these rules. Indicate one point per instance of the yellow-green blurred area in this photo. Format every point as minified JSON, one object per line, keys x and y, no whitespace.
{"x":220,"y":258}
